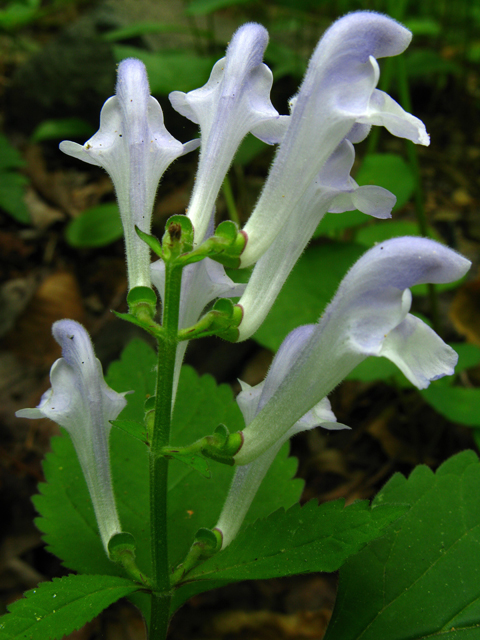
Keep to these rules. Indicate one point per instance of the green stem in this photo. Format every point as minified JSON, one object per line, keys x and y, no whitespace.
{"x":230,"y":201}
{"x":167,"y":346}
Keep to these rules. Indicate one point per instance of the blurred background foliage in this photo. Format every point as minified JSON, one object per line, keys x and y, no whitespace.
{"x":60,"y":237}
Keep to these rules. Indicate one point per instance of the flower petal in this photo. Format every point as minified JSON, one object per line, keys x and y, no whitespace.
{"x":234,"y":101}
{"x":333,"y":190}
{"x":135,"y":149}
{"x":338,"y":91}
{"x":81,"y":402}
{"x":372,"y":301}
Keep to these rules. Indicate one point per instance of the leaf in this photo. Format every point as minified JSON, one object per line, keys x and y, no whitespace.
{"x":143,"y":28}
{"x":170,"y":70}
{"x":10,"y":158}
{"x":389,"y":171}
{"x":12,"y":196}
{"x":195,"y":462}
{"x":204,"y":7}
{"x":67,"y":519}
{"x":62,"y":128}
{"x":468,"y":355}
{"x":309,"y":288}
{"x":95,"y":227}
{"x":55,"y":609}
{"x":457,"y":404}
{"x":302,"y":540}
{"x":422,"y":578}
{"x":333,"y":223}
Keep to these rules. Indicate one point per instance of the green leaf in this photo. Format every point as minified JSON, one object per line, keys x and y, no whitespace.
{"x":61,"y":129}
{"x":457,"y":404}
{"x":95,"y":227}
{"x":334,"y":223}
{"x":308,"y":289}
{"x":372,"y":234}
{"x":67,"y":517}
{"x":196,"y":462}
{"x":427,"y":62}
{"x":135,"y":429}
{"x":55,"y":609}
{"x":422,"y":579}
{"x":389,"y":171}
{"x":143,"y":28}
{"x":10,"y":158}
{"x":204,"y":7}
{"x":12,"y":196}
{"x":170,"y":70}
{"x":468,"y":355}
{"x":302,"y":540}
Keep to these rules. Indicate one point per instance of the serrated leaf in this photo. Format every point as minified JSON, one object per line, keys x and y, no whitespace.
{"x":55,"y":609}
{"x":422,"y":579}
{"x":135,"y":429}
{"x":307,"y":291}
{"x":302,"y":540}
{"x":95,"y":227}
{"x":67,"y":517}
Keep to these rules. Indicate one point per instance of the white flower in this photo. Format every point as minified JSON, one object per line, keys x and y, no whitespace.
{"x":337,"y":94}
{"x":334,"y":191}
{"x":81,"y":402}
{"x":234,"y":101}
{"x":135,"y":149}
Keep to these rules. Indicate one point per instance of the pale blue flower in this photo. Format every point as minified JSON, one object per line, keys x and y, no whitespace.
{"x":333,"y":190}
{"x":369,"y":316}
{"x":81,"y":402}
{"x":135,"y":149}
{"x":337,"y":96}
{"x":234,"y":102}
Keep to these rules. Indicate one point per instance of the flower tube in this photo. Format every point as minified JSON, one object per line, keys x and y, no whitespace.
{"x":247,"y":478}
{"x":234,"y":102}
{"x":81,"y":402}
{"x":135,"y":149}
{"x":338,"y":92}
{"x":368,"y":316}
{"x":333,"y":190}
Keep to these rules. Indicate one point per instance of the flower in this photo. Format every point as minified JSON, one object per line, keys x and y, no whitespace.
{"x":234,"y":102}
{"x":334,"y":191}
{"x":248,"y":478}
{"x":81,"y":402}
{"x":202,"y":282}
{"x":337,"y":97}
{"x":369,"y":315}
{"x":135,"y":149}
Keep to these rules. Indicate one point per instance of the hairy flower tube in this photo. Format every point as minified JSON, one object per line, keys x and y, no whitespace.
{"x":81,"y":402}
{"x":368,"y":316}
{"x":234,"y":102}
{"x":337,"y":95}
{"x":248,"y":478}
{"x":333,"y":190}
{"x":135,"y":149}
